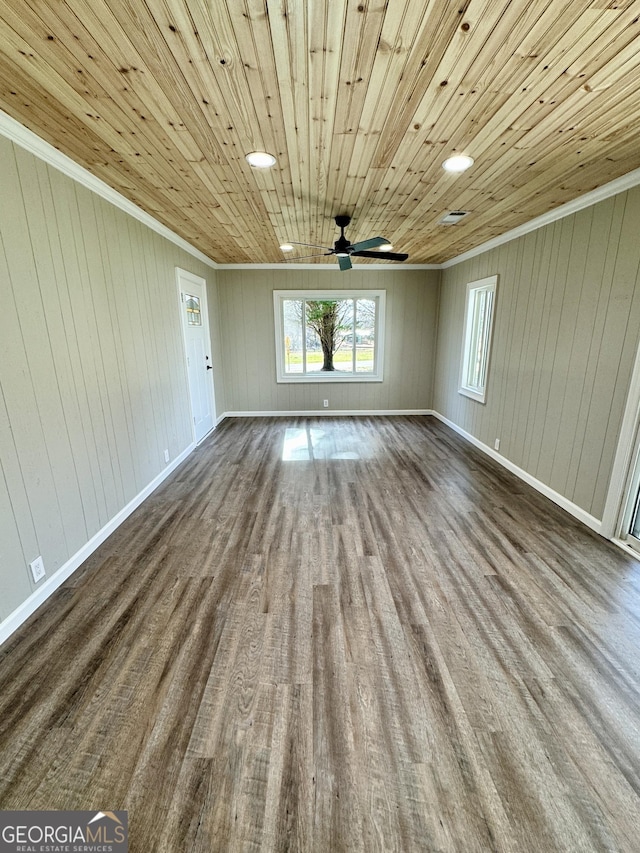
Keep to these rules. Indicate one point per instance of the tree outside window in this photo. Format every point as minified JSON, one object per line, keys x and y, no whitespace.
{"x":331,"y":320}
{"x":335,"y":334}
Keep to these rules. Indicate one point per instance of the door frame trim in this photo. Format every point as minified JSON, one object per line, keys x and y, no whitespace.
{"x":622,"y":471}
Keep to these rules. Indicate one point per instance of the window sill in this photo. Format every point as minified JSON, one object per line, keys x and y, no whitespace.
{"x":473,"y":395}
{"x":327,"y":377}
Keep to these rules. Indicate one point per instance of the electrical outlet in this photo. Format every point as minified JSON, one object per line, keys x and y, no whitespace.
{"x":166,"y":455}
{"x":325,"y":403}
{"x":496,"y":444}
{"x":37,"y":569}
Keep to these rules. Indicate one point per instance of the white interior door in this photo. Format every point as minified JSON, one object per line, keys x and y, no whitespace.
{"x":197,"y":342}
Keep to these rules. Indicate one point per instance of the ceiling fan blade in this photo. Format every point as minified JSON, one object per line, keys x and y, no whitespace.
{"x":313,"y":246}
{"x":345,"y":262}
{"x":385,"y":256}
{"x":371,"y":243}
{"x":304,"y":257}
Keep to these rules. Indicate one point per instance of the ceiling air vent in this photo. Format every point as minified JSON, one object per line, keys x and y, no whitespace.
{"x":453,"y":216}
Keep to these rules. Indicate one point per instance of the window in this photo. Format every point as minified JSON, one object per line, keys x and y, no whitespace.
{"x":478,"y":323}
{"x":192,"y":305}
{"x":334,"y":336}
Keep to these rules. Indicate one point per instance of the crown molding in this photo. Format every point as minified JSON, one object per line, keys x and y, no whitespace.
{"x":619,"y":185}
{"x":328,"y":267}
{"x":27,"y":139}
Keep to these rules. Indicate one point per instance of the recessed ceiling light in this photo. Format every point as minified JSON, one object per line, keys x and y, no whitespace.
{"x":260,"y":159}
{"x":458,"y":163}
{"x":287,"y":247}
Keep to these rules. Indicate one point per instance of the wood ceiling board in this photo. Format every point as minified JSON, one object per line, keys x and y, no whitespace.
{"x":290,"y":35}
{"x":162,"y":99}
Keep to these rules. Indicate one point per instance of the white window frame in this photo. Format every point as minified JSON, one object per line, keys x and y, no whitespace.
{"x":473,"y":317}
{"x":279,"y":296}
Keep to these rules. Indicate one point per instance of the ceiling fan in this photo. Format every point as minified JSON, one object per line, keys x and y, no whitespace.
{"x":344,"y":250}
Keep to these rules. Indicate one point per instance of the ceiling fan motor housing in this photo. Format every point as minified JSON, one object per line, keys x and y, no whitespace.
{"x":342,"y":245}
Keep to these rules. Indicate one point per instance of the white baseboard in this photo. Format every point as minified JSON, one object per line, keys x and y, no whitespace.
{"x":314,"y":413}
{"x":42,"y":593}
{"x":625,"y":547}
{"x":573,"y":509}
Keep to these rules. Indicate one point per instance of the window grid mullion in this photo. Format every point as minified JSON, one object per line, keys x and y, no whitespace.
{"x":354,"y":326}
{"x":304,"y":336}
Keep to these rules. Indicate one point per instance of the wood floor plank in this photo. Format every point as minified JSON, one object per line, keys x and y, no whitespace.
{"x":388,"y":643}
{"x":337,"y":816}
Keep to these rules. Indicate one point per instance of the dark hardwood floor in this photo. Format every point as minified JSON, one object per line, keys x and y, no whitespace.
{"x":327,"y":634}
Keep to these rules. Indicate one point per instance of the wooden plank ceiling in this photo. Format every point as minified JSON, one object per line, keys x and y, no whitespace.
{"x":359,"y":100}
